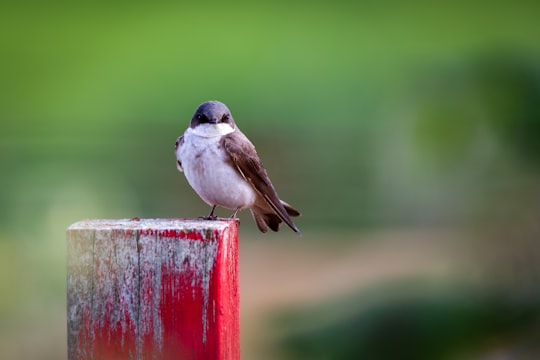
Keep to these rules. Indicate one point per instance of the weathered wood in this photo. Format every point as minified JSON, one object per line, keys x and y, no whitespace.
{"x":153,"y":289}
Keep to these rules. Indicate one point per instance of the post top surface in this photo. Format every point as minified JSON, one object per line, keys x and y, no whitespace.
{"x":154,"y":224}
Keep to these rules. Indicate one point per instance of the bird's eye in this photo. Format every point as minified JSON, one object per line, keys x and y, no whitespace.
{"x":202,"y":118}
{"x":225,"y":118}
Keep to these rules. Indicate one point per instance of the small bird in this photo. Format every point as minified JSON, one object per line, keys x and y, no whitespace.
{"x":222,"y":166}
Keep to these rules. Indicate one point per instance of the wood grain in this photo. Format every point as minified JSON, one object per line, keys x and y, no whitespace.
{"x":153,"y":289}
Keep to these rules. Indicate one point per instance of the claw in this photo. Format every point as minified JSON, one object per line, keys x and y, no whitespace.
{"x":210,"y":216}
{"x":233,"y":216}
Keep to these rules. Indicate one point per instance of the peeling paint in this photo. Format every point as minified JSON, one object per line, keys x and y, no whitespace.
{"x":127,"y":277}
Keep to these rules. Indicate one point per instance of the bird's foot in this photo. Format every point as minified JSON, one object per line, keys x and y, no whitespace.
{"x":208,"y":217}
{"x":233,"y":216}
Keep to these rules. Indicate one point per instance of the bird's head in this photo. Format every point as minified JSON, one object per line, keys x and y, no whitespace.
{"x":213,"y":117}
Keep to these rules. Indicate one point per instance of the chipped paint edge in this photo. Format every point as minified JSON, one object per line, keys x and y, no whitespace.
{"x":179,"y":229}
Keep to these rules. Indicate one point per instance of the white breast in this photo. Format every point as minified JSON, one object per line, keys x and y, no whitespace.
{"x":205,"y":166}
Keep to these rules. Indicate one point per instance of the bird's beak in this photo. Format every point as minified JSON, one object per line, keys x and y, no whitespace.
{"x":213,"y":121}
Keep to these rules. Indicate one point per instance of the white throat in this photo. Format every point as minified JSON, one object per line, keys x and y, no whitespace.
{"x":212,"y":130}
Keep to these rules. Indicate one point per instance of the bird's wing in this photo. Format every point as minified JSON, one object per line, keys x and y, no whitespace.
{"x":178,"y":143}
{"x":244,"y":158}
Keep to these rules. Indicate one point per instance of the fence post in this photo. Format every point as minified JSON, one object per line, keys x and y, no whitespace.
{"x":153,"y":289}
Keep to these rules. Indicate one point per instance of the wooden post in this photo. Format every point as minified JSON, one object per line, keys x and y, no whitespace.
{"x":153,"y":289}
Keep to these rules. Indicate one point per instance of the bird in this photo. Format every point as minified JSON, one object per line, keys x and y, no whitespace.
{"x":222,"y":166}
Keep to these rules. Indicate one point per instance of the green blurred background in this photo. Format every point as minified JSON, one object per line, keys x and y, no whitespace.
{"x":408,"y":134}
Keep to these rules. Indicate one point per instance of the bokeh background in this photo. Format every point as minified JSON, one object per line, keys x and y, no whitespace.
{"x":408,"y":133}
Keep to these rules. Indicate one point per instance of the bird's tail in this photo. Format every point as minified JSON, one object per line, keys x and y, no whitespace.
{"x":266,"y":218}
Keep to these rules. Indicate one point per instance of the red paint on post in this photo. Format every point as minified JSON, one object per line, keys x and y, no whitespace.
{"x":153,"y":289}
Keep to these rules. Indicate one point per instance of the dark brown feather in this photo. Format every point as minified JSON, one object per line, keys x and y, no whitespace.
{"x":178,"y":143}
{"x":244,"y":157}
